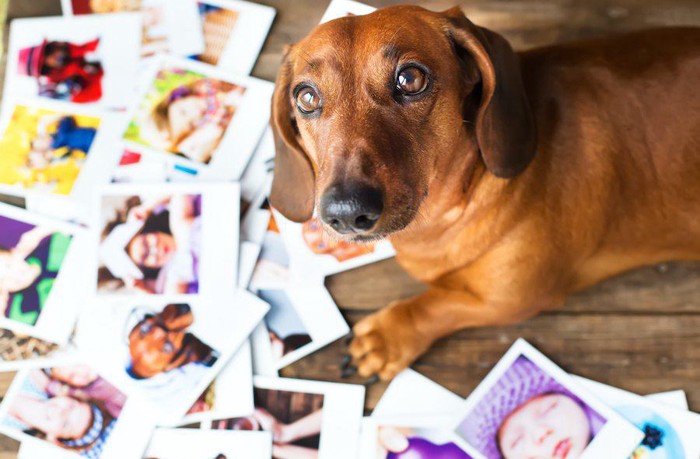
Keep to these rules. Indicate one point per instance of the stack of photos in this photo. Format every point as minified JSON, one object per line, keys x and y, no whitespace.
{"x":151,"y":295}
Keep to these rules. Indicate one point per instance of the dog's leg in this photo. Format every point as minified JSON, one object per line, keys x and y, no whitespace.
{"x":390,"y":340}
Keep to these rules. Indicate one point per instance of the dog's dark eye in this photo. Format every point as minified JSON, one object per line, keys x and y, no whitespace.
{"x":145,"y":328}
{"x":411,"y":81}
{"x":168,"y":347}
{"x":308,"y":100}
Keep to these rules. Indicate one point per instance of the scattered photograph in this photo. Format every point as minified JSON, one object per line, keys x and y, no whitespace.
{"x":411,"y":438}
{"x":307,"y":419}
{"x":168,"y":26}
{"x":399,"y":399}
{"x":229,"y":395}
{"x":196,"y":116}
{"x":668,"y":432}
{"x":161,"y":239}
{"x":19,"y":350}
{"x":40,"y":262}
{"x":258,"y":173}
{"x":300,"y":322}
{"x":234,"y":32}
{"x":75,"y":409}
{"x":57,"y":153}
{"x":208,"y":444}
{"x":85,"y":60}
{"x":341,"y":8}
{"x":526,"y":394}
{"x":314,"y":254}
{"x":167,"y":352}
{"x":271,"y":269}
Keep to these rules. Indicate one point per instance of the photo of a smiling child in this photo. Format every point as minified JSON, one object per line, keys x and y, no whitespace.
{"x":185,"y":113}
{"x":71,"y":407}
{"x":151,"y":244}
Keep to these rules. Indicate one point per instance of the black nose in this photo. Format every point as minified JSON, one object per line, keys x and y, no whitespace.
{"x":182,"y":309}
{"x":351,"y":208}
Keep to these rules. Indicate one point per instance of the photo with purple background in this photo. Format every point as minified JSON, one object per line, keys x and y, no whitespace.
{"x":523,"y":381}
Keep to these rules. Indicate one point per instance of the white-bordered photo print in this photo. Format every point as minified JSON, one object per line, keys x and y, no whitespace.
{"x":229,"y":395}
{"x":57,"y":154}
{"x":668,"y":432}
{"x":526,"y":393}
{"x":199,"y":117}
{"x":74,"y":411}
{"x":41,"y":277}
{"x":234,"y":33}
{"x":20,"y":350}
{"x":300,"y":322}
{"x":168,"y":26}
{"x":208,"y":444}
{"x":89,"y":60}
{"x":167,"y":351}
{"x":309,"y":419}
{"x":419,"y":436}
{"x":167,"y":239}
{"x":314,"y":254}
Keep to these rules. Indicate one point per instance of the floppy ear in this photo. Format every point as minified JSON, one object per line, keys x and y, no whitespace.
{"x":293,"y":183}
{"x":177,"y":316}
{"x":505,"y":127}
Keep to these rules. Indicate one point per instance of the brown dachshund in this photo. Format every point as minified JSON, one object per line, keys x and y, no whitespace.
{"x":160,"y":343}
{"x":504,"y":180}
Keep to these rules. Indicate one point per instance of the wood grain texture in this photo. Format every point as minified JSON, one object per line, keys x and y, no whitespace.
{"x":639,"y":331}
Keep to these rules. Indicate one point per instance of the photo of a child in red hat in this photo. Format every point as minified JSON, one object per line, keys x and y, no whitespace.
{"x":64,"y":70}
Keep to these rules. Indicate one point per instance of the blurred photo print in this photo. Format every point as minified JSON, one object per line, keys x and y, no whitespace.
{"x":75,"y":410}
{"x":307,"y":419}
{"x":162,"y":240}
{"x":315,"y":254}
{"x":229,"y":395}
{"x":83,"y":60}
{"x":199,"y":117}
{"x":419,"y":438}
{"x":57,"y":153}
{"x":234,"y":32}
{"x":300,"y":321}
{"x":167,"y":352}
{"x":208,"y":444}
{"x":167,"y":26}
{"x":19,"y":350}
{"x":40,"y":274}
{"x":525,"y":394}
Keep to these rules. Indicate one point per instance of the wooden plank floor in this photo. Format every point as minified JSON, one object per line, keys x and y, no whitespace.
{"x":640,"y":331}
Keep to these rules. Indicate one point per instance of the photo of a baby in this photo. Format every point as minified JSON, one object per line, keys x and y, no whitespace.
{"x":293,"y":418}
{"x":528,"y":413}
{"x":286,"y":329}
{"x":185,"y":113}
{"x":71,"y":407}
{"x":161,"y":348}
{"x":64,"y":70}
{"x":44,"y":149}
{"x":150,"y":244}
{"x":30,"y":260}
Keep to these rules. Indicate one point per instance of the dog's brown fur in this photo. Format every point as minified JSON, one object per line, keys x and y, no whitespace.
{"x":518,"y":179}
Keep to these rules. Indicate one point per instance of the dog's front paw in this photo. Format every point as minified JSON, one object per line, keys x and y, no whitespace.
{"x":385,"y":343}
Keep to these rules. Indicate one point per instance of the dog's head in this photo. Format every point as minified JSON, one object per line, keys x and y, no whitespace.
{"x":366,"y":108}
{"x":160,"y":342}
